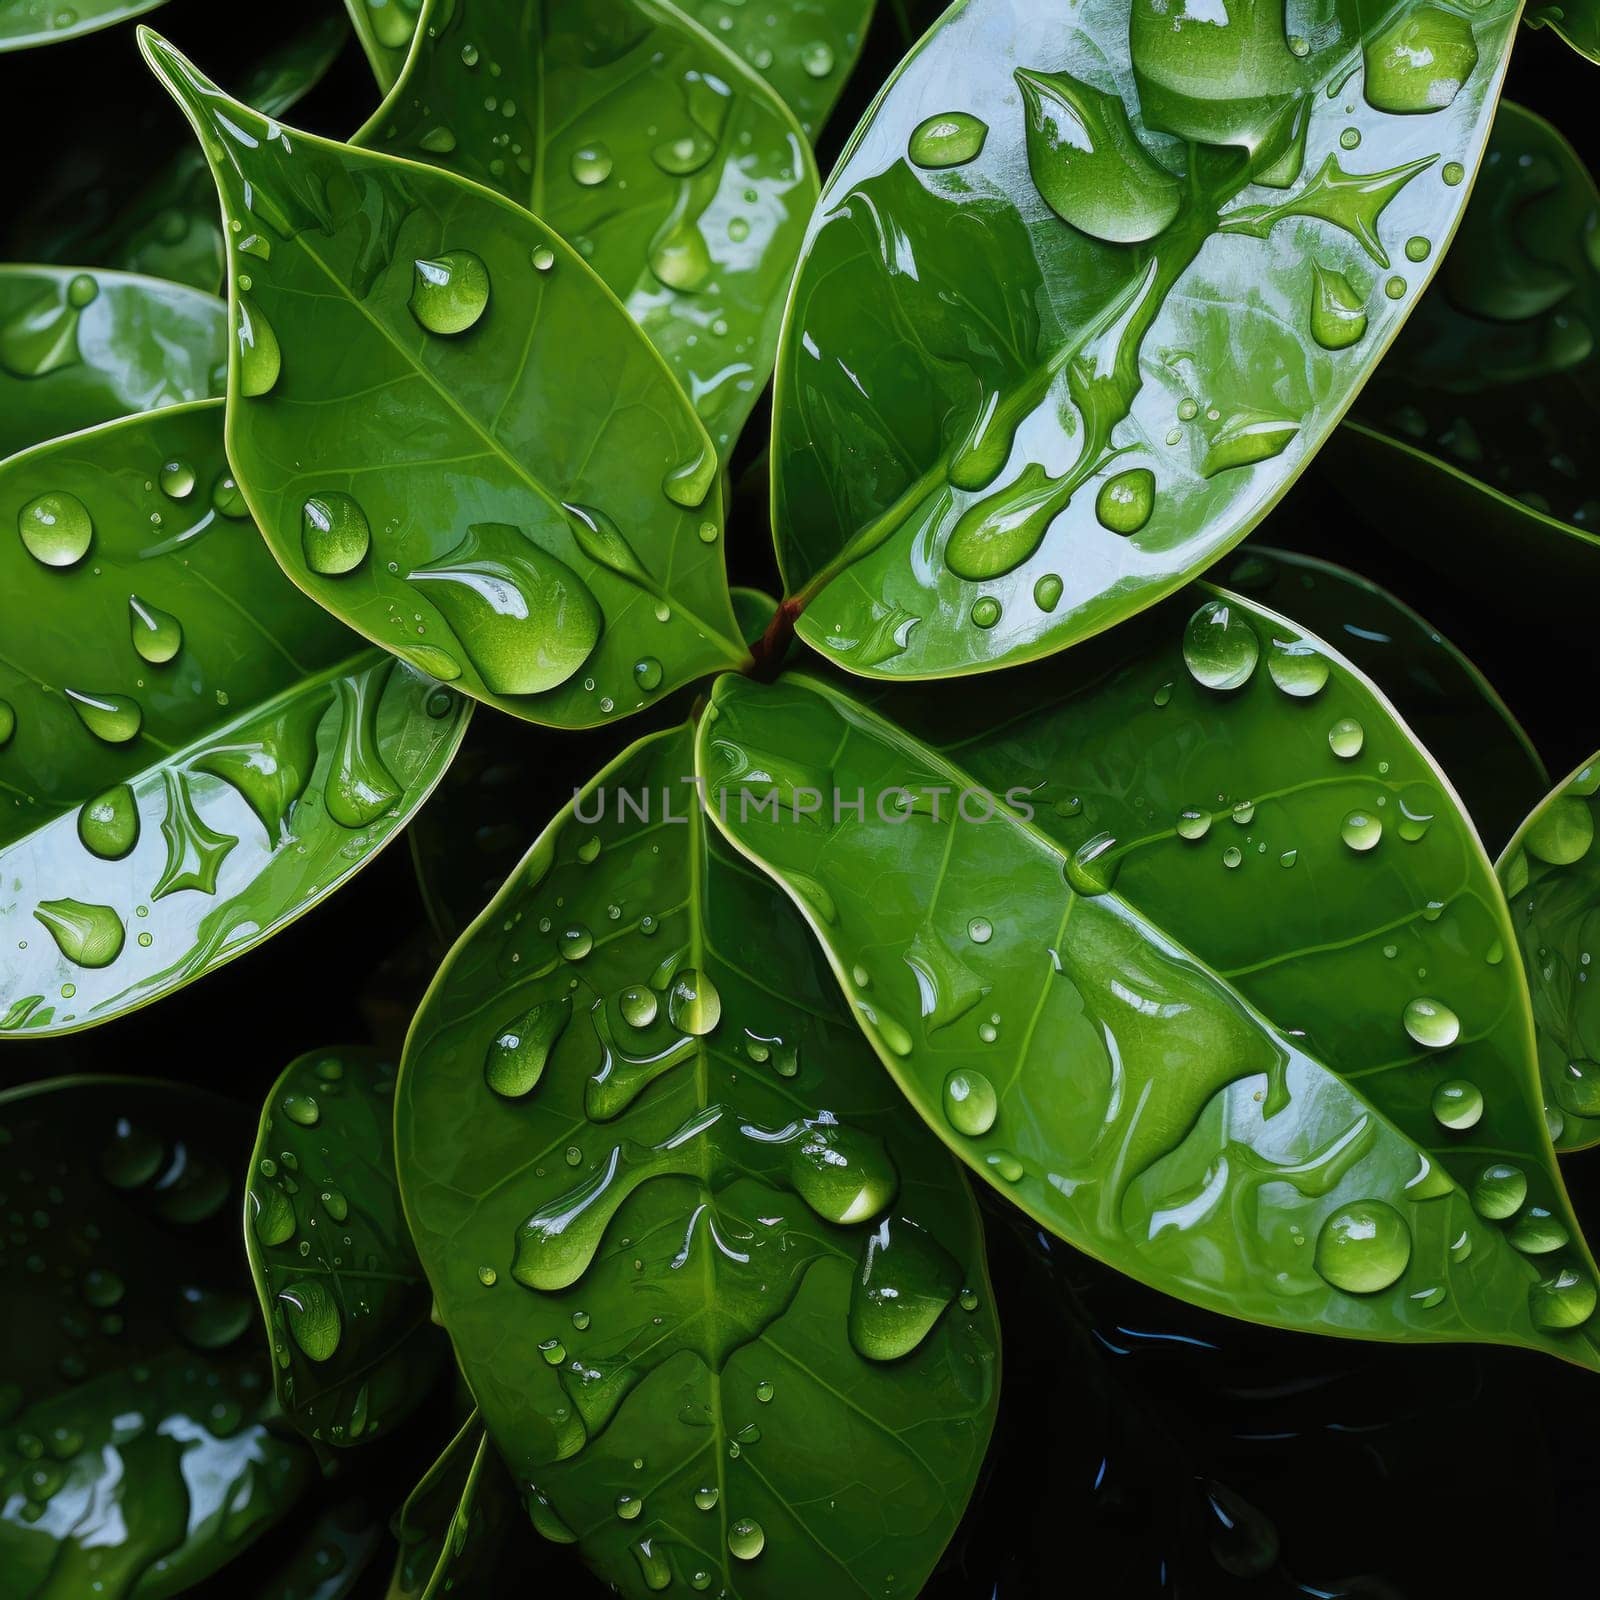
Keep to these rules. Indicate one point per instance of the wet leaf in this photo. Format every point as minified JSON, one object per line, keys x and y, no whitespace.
{"x":136,"y":1453}
{"x":1447,"y":703}
{"x":426,"y":459}
{"x":342,"y":1292}
{"x":195,"y":753}
{"x":1220,"y":988}
{"x":26,"y":23}
{"x":385,"y":29}
{"x":672,"y":168}
{"x":1030,"y":381}
{"x":805,"y":49}
{"x":1551,"y":875}
{"x":1576,"y":21}
{"x":1497,"y":374}
{"x":722,"y":1302}
{"x":78,"y":348}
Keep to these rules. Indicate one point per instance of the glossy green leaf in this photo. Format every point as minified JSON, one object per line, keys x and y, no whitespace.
{"x":1015,"y":403}
{"x":166,"y":224}
{"x":1550,"y":872}
{"x":333,"y":1557}
{"x":1576,"y":21}
{"x":804,"y":48}
{"x":672,"y":168}
{"x":1282,"y":1066}
{"x":721,"y":1301}
{"x":193,"y":753}
{"x":26,"y":23}
{"x":135,"y":1454}
{"x":452,"y":434}
{"x":342,"y":1292}
{"x":1498,"y":374}
{"x":77,"y":348}
{"x":456,"y":1526}
{"x":1448,"y":704}
{"x":385,"y":29}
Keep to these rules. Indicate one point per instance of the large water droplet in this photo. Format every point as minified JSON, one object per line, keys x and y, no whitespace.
{"x":87,"y":935}
{"x":591,"y":164}
{"x":901,"y":1288}
{"x":450,"y":292}
{"x":1562,"y":832}
{"x":1361,"y":830}
{"x":746,"y":1539}
{"x":56,"y":529}
{"x":1537,"y":1232}
{"x":157,"y":635}
{"x":260,"y":360}
{"x":313,"y":1317}
{"x":271,"y":1214}
{"x":1125,"y":502}
{"x":334,"y":533}
{"x":1499,"y":1190}
{"x":1566,"y":1299}
{"x":526,"y":620}
{"x":116,"y":718}
{"x":1220,"y":647}
{"x":970,"y":1102}
{"x":108,"y":825}
{"x":1577,"y":1087}
{"x":516,"y":1059}
{"x":693,"y":1004}
{"x":997,"y":534}
{"x":1431,"y":1023}
{"x":842,"y":1174}
{"x":680,"y":256}
{"x":1420,"y":61}
{"x":1346,"y":737}
{"x":1338,"y":314}
{"x":1363,"y":1247}
{"x":1297,"y":667}
{"x":1458,"y":1104}
{"x":1088,"y":163}
{"x":689,"y":483}
{"x":1246,"y":438}
{"x":949,"y":139}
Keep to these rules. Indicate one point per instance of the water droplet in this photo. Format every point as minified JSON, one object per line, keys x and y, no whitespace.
{"x":1577,"y":1087}
{"x":450,"y":292}
{"x":544,"y":258}
{"x":313,"y":1317}
{"x":1431,"y":1023}
{"x":1458,"y":1105}
{"x":334,"y":533}
{"x":1419,"y":62}
{"x":980,"y":930}
{"x":1088,"y":163}
{"x":1536,"y":1232}
{"x":87,"y":935}
{"x":693,"y":1004}
{"x":1125,"y":502}
{"x":817,"y":59}
{"x":638,"y":1006}
{"x":1246,"y":438}
{"x":1499,"y":1190}
{"x":526,"y":619}
{"x":8,"y":722}
{"x":1092,"y":868}
{"x":985,"y":611}
{"x":1361,"y":830}
{"x":1194,"y":822}
{"x":56,"y":529}
{"x":689,"y":483}
{"x":746,"y":1540}
{"x":629,"y":1506}
{"x":302,"y":1109}
{"x":902,"y":1287}
{"x":1047,"y":592}
{"x":647,"y":673}
{"x":227,"y":500}
{"x":260,"y":360}
{"x":843,"y":1175}
{"x":680,"y":256}
{"x":1220,"y":648}
{"x":1363,"y":1247}
{"x":970,"y":1102}
{"x":177,"y":480}
{"x":108,"y":825}
{"x":157,"y":635}
{"x":1453,"y":173}
{"x":516,"y":1058}
{"x":1346,"y":737}
{"x":1338,"y":313}
{"x":574,"y":941}
{"x":591,"y":164}
{"x":1562,"y":832}
{"x":1566,"y":1299}
{"x":1418,"y":248}
{"x":488,"y":1277}
{"x":116,"y":718}
{"x":706,"y":1497}
{"x":335,"y":1203}
{"x":765,"y":1392}
{"x":949,"y":139}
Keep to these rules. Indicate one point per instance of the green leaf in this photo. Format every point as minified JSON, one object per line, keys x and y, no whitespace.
{"x":805,"y":48}
{"x":342,"y":1292}
{"x":457,"y":1524}
{"x":1447,"y":703}
{"x":136,"y":1453}
{"x":1497,"y":374}
{"x":1030,"y":381}
{"x":193,"y":753}
{"x":673,"y":169}
{"x":666,"y":1203}
{"x":1550,"y":872}
{"x":1282,"y":1066}
{"x":1576,"y":21}
{"x":26,"y":23}
{"x":385,"y":29}
{"x":453,"y":436}
{"x":329,"y":1560}
{"x":166,"y":224}
{"x":77,"y":348}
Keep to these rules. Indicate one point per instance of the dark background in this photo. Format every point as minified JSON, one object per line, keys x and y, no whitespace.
{"x":1144,"y":1448}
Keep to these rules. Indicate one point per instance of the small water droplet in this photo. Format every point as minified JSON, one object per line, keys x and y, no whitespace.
{"x":157,"y":635}
{"x":1346,"y":737}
